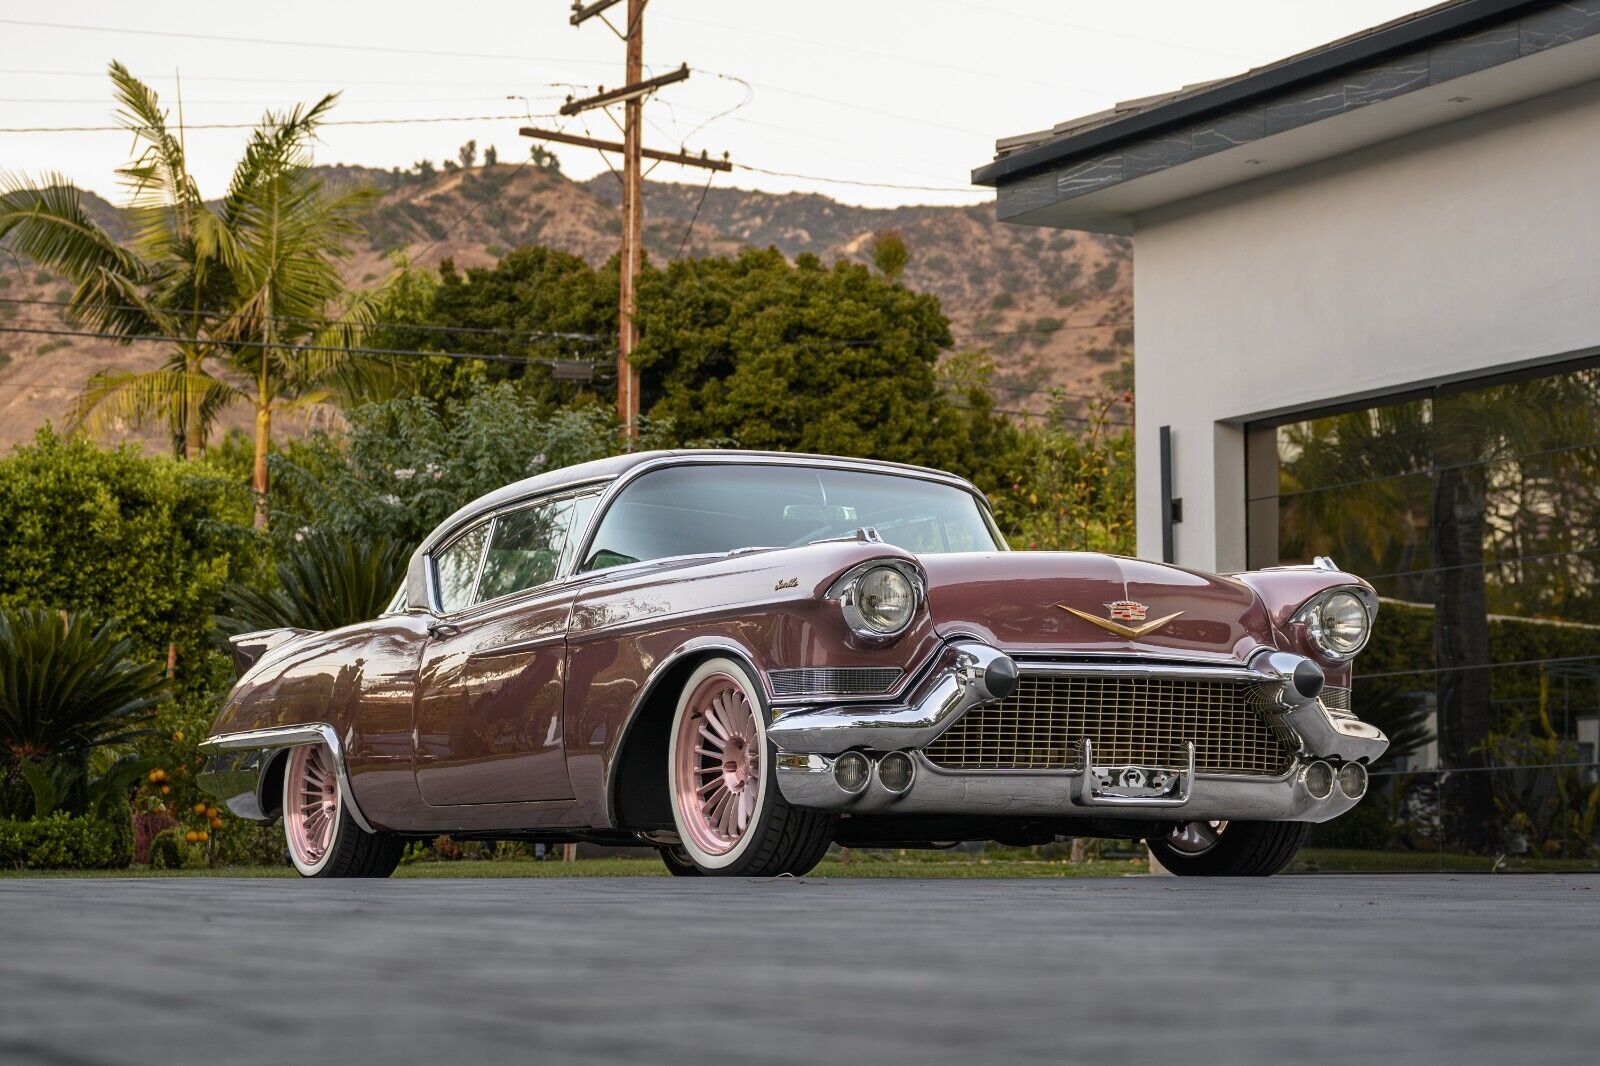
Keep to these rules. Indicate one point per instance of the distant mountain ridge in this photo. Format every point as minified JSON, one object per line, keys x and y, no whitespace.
{"x":1054,"y":309}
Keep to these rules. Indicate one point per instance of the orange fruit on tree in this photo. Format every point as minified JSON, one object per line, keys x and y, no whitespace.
{"x":165,"y":789}
{"x":192,"y":837}
{"x":203,"y":835}
{"x":200,"y":808}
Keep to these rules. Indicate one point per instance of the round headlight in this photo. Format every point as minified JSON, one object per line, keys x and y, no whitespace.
{"x":1339,"y":624}
{"x":885,"y":599}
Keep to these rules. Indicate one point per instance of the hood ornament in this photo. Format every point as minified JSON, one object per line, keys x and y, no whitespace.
{"x":1123,"y":611}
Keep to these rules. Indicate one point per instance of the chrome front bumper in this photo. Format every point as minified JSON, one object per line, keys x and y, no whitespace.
{"x":810,"y":740}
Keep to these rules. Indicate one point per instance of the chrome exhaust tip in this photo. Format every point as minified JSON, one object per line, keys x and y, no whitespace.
{"x":1318,"y":780}
{"x":896,"y":772}
{"x":852,"y":771}
{"x":1353,"y":780}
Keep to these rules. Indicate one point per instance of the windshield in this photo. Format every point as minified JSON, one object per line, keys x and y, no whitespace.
{"x":713,"y":508}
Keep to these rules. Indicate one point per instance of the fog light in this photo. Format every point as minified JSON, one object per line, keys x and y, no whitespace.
{"x":895,"y":771}
{"x":1353,"y":780}
{"x":1318,"y":778}
{"x":850,"y":772}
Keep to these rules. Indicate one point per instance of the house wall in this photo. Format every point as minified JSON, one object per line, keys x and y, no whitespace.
{"x":1461,"y":250}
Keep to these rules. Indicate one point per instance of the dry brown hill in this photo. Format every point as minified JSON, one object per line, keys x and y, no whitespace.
{"x":1054,"y":309}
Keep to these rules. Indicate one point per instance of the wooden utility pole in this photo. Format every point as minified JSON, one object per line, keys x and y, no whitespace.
{"x":632,"y":226}
{"x":631,"y":96}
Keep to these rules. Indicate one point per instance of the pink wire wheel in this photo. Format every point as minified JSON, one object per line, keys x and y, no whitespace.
{"x":717,"y":767}
{"x":310,"y":805}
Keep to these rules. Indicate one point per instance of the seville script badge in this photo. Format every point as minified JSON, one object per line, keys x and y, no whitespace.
{"x":1123,"y":611}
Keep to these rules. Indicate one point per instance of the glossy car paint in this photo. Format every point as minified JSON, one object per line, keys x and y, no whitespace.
{"x":514,"y":717}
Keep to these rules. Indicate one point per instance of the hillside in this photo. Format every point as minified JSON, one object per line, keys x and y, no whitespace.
{"x":1054,"y":309}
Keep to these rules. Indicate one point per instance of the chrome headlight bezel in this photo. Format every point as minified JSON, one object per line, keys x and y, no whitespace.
{"x":847,"y":590}
{"x":1311,"y":616}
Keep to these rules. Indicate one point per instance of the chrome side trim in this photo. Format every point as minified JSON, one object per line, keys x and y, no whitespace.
{"x":515,"y":646}
{"x":965,"y":674}
{"x":292,"y":736}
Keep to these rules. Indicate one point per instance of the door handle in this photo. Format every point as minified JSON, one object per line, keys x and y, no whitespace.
{"x":436,"y":630}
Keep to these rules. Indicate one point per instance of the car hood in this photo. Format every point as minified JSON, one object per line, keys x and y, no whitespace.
{"x":1019,"y":601}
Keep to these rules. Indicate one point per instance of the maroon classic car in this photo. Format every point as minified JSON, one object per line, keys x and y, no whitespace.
{"x":741,"y":658}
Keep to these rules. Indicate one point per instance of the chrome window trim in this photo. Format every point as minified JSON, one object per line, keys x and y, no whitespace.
{"x":620,"y":483}
{"x":492,"y":519}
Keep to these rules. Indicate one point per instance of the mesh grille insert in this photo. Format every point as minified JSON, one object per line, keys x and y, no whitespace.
{"x":835,"y":680}
{"x":1131,"y":720}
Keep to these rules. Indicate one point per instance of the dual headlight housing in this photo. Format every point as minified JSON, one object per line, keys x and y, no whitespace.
{"x":1338,"y":622}
{"x":879,"y":599}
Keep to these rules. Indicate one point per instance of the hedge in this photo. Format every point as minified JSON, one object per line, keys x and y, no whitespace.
{"x":62,"y":842}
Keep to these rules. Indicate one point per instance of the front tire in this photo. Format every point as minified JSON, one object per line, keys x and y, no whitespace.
{"x":324,"y":840}
{"x":723,"y":788}
{"x":1229,"y":849}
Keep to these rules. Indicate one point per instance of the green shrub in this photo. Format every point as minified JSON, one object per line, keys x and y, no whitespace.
{"x":62,"y":842}
{"x":166,"y":849}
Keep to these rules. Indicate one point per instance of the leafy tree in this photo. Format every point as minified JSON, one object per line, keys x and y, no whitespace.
{"x":468,"y":155}
{"x":890,"y":254}
{"x":804,"y":357}
{"x":491,"y":156}
{"x":404,"y":466}
{"x":145,"y":542}
{"x":545,"y":159}
{"x":424,"y":169}
{"x":1075,"y":487}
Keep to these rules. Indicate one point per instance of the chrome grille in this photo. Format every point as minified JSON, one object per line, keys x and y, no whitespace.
{"x":835,"y":681}
{"x":1336,"y":699}
{"x":1131,"y":721}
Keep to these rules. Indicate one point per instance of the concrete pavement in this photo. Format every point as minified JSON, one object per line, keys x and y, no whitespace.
{"x":1134,"y":970}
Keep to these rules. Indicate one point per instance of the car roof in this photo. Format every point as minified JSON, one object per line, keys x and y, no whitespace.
{"x":613,"y":467}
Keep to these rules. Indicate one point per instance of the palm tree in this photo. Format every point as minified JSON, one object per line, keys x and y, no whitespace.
{"x":231,"y":280}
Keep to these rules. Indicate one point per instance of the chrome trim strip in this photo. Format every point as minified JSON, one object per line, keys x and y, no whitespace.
{"x":293,"y":736}
{"x":959,"y":680}
{"x":515,"y":646}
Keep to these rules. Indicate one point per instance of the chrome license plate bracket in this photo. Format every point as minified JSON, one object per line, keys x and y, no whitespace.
{"x":1131,"y":786}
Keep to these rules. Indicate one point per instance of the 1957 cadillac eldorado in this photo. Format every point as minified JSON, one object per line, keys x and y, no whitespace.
{"x":740,"y":658}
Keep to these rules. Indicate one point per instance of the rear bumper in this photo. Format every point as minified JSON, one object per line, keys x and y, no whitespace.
{"x":810,"y":740}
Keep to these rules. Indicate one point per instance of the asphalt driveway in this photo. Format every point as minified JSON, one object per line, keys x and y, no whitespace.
{"x":1142,"y":970}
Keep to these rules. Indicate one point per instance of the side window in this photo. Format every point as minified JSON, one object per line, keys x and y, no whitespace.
{"x":525,"y":549}
{"x":397,"y":605}
{"x":456,"y":568}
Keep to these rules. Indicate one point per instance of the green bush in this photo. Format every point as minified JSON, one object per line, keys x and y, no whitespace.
{"x":62,"y":842}
{"x":144,"y":542}
{"x":166,"y":849}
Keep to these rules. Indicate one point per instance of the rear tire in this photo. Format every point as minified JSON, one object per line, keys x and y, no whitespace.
{"x":678,"y":862}
{"x":1229,"y":849}
{"x":324,"y":840}
{"x":723,"y":787}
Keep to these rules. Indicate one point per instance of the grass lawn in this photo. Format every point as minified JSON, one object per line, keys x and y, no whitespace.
{"x":861,"y":864}
{"x":994,"y":862}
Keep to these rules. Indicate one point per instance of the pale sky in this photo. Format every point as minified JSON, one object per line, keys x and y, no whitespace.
{"x":903,"y":92}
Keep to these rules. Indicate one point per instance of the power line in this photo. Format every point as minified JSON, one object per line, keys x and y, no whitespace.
{"x":162,"y":339}
{"x":333,"y":45}
{"x":100,"y":74}
{"x":418,"y":121}
{"x":510,"y":334}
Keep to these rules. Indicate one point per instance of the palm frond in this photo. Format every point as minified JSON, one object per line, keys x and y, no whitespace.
{"x":46,"y":222}
{"x":158,"y":181}
{"x":120,"y":397}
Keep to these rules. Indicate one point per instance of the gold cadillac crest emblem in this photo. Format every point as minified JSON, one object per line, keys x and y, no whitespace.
{"x":1123,"y":611}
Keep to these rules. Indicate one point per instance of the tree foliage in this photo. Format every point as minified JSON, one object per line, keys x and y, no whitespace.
{"x":146,"y":542}
{"x":323,"y":581}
